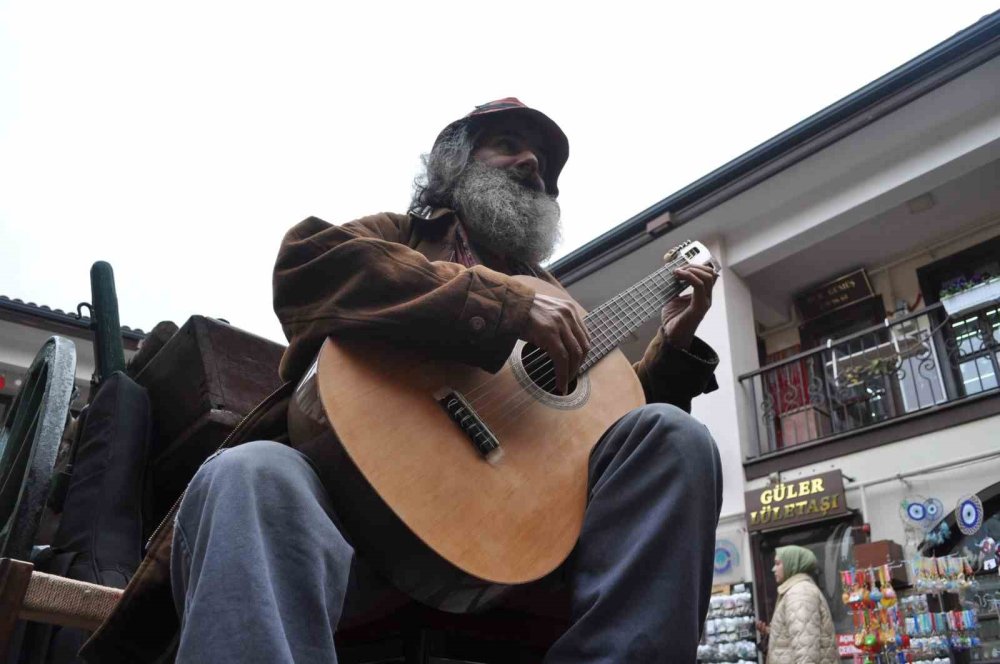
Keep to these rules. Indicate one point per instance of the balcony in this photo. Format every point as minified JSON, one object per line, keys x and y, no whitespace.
{"x":911,"y":367}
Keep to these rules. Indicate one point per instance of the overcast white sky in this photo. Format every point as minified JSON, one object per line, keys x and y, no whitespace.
{"x":179,"y":141}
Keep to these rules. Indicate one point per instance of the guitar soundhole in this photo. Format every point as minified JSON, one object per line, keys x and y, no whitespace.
{"x":540,"y":370}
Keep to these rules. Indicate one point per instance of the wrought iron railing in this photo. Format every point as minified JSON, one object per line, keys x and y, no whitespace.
{"x":885,"y":372}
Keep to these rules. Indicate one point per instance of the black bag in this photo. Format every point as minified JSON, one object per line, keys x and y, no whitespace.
{"x":99,"y":538}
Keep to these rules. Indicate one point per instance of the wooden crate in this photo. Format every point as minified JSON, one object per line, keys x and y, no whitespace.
{"x":201,"y":384}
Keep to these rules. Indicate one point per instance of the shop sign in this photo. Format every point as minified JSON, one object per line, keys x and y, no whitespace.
{"x":799,"y":501}
{"x":845,"y":645}
{"x":833,"y":295}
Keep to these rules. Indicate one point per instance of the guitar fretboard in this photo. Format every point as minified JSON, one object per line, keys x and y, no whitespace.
{"x":615,"y":320}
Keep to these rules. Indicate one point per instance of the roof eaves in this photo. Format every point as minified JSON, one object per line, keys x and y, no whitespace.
{"x":983,"y":38}
{"x":59,"y":316}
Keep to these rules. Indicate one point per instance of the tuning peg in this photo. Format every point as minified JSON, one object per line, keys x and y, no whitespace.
{"x":672,"y":254}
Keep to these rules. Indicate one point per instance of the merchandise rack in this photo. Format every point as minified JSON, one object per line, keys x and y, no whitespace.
{"x":730,"y":629}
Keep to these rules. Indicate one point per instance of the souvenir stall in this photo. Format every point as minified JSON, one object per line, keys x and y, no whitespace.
{"x":932,"y":622}
{"x":730,"y":632}
{"x":972,"y":532}
{"x":937,"y":599}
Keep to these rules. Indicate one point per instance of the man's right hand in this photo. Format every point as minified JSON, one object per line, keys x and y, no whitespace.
{"x":555,"y":326}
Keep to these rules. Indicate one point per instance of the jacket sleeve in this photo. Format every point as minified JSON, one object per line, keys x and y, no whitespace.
{"x":361,"y":280}
{"x":671,"y":375}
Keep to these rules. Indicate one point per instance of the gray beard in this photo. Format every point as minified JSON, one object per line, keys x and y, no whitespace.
{"x":505,"y":216}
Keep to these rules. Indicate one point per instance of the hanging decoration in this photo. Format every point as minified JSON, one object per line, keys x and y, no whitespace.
{"x":969,"y":514}
{"x":934,"y":509}
{"x":920,"y":512}
{"x":988,"y":554}
{"x":920,"y":516}
{"x":727,"y":556}
{"x":938,"y":536}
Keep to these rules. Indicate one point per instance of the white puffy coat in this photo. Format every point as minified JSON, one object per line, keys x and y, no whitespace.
{"x":802,"y":629}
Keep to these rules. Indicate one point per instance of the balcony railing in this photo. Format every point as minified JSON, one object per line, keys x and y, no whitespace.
{"x":885,"y":372}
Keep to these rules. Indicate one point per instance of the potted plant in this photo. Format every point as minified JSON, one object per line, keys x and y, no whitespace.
{"x":964,"y":294}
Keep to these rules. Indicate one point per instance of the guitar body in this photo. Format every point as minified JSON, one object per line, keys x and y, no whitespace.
{"x":415,"y":494}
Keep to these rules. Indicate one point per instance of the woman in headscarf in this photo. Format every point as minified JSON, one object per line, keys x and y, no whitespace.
{"x":801,"y":630}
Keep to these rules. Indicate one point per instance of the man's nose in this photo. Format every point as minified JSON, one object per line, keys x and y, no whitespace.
{"x":526,"y":164}
{"x":527,"y":161}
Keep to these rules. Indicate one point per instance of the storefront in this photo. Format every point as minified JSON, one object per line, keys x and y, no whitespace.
{"x":935,"y":554}
{"x":810,"y":512}
{"x":854,"y":320}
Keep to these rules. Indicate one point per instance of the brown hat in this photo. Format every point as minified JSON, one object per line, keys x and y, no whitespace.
{"x":556,"y":144}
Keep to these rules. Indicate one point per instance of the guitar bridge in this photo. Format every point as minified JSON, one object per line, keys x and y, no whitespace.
{"x":464,"y":415}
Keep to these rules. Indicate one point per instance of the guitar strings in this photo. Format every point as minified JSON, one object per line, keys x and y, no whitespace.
{"x":664,"y":273}
{"x":542,"y":365}
{"x":606,"y":343}
{"x":661,"y":296}
{"x":527,"y":399}
{"x":640,"y":310}
{"x":545,"y":382}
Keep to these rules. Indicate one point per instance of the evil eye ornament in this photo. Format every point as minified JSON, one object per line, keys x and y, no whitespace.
{"x":726,"y":556}
{"x":969,"y":514}
{"x":933,"y":508}
{"x":915,"y":511}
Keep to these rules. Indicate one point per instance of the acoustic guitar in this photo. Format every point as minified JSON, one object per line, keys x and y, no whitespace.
{"x":457,"y":483}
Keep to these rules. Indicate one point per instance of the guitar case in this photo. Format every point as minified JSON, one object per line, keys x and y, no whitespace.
{"x":99,"y":538}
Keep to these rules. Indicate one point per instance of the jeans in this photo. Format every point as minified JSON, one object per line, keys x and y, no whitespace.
{"x":262,"y":573}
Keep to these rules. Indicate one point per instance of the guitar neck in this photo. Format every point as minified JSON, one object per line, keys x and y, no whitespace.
{"x":618,"y":318}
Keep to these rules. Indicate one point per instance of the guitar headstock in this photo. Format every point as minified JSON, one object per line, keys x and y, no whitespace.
{"x":692,"y":253}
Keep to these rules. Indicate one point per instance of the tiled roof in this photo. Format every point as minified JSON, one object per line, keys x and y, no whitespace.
{"x":58,"y":315}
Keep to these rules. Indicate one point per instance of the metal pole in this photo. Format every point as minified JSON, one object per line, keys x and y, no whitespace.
{"x":864,"y":503}
{"x":108,"y":351}
{"x":861,"y":486}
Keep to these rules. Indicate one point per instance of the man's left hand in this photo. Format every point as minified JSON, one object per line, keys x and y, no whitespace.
{"x":682,"y":315}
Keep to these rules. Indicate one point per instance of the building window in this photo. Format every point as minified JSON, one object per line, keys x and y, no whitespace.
{"x":976,"y":339}
{"x":971,"y":339}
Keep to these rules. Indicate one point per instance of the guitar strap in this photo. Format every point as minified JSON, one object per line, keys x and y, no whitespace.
{"x":463,"y":253}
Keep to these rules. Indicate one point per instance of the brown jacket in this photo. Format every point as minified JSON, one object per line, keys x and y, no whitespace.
{"x":393,"y":277}
{"x":396,"y":278}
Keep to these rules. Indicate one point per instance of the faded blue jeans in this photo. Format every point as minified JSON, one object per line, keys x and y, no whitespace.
{"x":262,"y":573}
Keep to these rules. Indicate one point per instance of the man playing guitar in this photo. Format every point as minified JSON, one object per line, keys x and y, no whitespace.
{"x":261,"y":567}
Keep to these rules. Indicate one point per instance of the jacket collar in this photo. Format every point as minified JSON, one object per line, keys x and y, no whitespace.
{"x":793,"y":580}
{"x":439,"y":215}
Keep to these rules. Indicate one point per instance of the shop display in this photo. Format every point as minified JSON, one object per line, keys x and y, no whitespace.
{"x":984,"y":598}
{"x":879,"y":628}
{"x":730,"y":631}
{"x":927,"y":627}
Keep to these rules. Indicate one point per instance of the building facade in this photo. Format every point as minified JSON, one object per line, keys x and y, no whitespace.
{"x":857,"y":316}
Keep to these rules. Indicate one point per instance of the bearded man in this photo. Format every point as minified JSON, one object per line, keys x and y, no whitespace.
{"x":262,"y":569}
